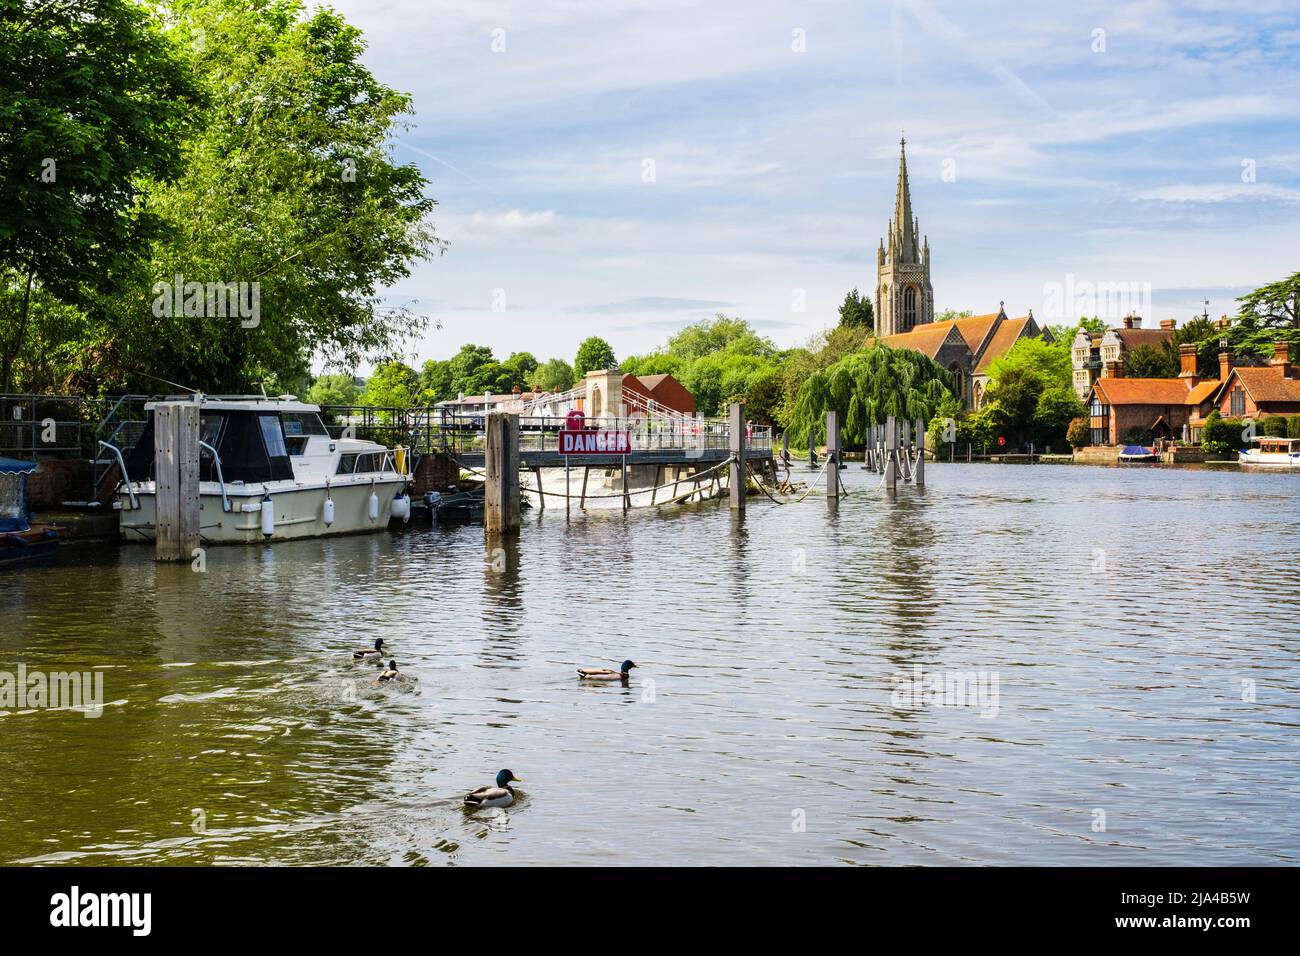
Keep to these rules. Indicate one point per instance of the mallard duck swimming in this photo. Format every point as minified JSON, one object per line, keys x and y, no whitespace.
{"x":499,"y":796}
{"x":370,"y":653}
{"x":604,"y":673}
{"x":390,"y":674}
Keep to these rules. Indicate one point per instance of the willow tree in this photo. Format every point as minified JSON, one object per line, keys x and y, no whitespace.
{"x":865,"y":388}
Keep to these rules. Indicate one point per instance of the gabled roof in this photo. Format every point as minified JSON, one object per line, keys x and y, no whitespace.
{"x":1142,"y":391}
{"x":1265,"y":383}
{"x":1203,"y":391}
{"x":1004,"y":336}
{"x":927,"y":339}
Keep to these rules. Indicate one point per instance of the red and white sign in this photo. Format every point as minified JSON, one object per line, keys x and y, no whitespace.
{"x":595,"y":443}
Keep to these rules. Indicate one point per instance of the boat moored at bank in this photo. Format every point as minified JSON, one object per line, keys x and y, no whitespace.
{"x":1271,"y":452}
{"x":268,"y":470}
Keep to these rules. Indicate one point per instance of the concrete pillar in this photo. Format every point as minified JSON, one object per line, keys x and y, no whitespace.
{"x":736,"y":470}
{"x":832,"y":454}
{"x":176,"y":477}
{"x":501,"y":464}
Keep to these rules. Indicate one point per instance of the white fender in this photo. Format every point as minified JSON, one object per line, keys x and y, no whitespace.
{"x":268,"y":516}
{"x":374,"y":506}
{"x":402,"y":507}
{"x":329,"y":512}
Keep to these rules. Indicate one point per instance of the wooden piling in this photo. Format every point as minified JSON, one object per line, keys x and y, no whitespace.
{"x":736,"y":470}
{"x":501,"y":465}
{"x":176,"y":474}
{"x":920,"y":454}
{"x":582,"y":502}
{"x":541,"y":495}
{"x":832,"y":454}
{"x":891,"y":455}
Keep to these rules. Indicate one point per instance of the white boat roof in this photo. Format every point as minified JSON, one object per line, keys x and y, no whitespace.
{"x":230,"y":403}
{"x":1272,"y":438}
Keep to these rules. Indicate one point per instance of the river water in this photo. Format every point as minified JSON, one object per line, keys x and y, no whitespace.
{"x":1130,"y":641}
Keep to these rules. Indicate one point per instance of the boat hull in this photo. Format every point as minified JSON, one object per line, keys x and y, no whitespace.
{"x":299,"y":512}
{"x":1269,"y":459}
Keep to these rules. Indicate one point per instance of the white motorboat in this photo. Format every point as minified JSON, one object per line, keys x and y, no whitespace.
{"x":269,"y":470}
{"x":1272,"y":452}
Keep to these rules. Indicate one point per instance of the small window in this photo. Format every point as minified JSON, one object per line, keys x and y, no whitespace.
{"x":302,"y":423}
{"x":273,"y":436}
{"x":1238,"y":402}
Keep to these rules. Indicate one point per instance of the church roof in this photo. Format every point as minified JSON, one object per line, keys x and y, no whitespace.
{"x":926,"y":339}
{"x":1007,"y":333}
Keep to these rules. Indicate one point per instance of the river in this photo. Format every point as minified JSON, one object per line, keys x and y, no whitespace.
{"x":1134,"y":635}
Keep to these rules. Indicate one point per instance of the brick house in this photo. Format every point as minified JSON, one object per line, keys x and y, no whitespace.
{"x":1173,"y":408}
{"x":663,"y":390}
{"x":1091,"y":352}
{"x":1256,"y":392}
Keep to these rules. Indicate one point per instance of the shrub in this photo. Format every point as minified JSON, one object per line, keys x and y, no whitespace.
{"x":1293,"y":426}
{"x":1079,"y":433}
{"x":1274,"y":426}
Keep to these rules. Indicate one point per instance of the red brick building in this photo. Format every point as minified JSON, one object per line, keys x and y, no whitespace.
{"x":663,"y":390}
{"x":1256,"y":392}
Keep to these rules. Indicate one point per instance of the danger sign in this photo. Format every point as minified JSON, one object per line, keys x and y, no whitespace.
{"x":595,"y":443}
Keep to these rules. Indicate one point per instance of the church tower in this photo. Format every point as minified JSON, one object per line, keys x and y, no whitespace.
{"x":904,"y":298}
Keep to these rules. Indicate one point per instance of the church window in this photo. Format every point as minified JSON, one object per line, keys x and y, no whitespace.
{"x":909,"y":307}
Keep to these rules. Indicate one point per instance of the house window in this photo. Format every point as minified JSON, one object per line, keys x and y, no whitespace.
{"x":909,"y":307}
{"x":1237,"y":401}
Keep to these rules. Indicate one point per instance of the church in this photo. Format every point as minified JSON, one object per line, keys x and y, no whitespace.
{"x":904,"y":306}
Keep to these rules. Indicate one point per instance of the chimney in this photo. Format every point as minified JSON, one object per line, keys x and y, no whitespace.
{"x":1225,"y":366}
{"x":1282,"y":358}
{"x":1167,"y":325}
{"x":1132,"y":321}
{"x":1112,"y":370}
{"x":1187,"y":360}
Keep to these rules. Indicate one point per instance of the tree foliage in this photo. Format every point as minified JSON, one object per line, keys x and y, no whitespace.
{"x":856,"y":311}
{"x":865,"y":388}
{"x":594,"y":353}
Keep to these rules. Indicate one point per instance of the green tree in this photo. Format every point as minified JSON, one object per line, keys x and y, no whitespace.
{"x":947,"y":315}
{"x":298,"y":194}
{"x":866,"y":387}
{"x":1015,"y":392}
{"x":333,"y":390}
{"x":1049,"y":361}
{"x":1056,"y":408}
{"x":554,"y":375}
{"x":393,"y":384}
{"x":722,"y":333}
{"x":1150,"y":361}
{"x":93,"y":102}
{"x":594,"y":353}
{"x":856,"y":311}
{"x":1276,"y":305}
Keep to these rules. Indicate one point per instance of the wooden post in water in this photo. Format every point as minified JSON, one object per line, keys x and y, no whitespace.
{"x":736,"y":470}
{"x":832,"y":454}
{"x":501,"y":464}
{"x":582,"y":502}
{"x":541,"y":495}
{"x":891,"y":456}
{"x":920,"y":454}
{"x":623,"y":469}
{"x":176,"y":474}
{"x":567,"y":502}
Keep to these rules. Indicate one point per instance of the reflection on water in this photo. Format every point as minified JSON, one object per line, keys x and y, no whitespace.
{"x":1142,"y":626}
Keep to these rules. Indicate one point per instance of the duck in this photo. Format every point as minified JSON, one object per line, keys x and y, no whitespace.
{"x":502,"y":795}
{"x":390,"y":674}
{"x":604,"y":673}
{"x":370,"y":653}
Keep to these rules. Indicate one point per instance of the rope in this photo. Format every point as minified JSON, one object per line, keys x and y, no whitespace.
{"x":793,"y":501}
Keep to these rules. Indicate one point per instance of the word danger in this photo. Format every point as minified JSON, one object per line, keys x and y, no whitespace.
{"x":595,"y":443}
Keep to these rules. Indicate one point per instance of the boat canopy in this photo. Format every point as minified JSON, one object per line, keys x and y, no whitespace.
{"x":1136,"y":450}
{"x":251,"y":444}
{"x":13,"y":493}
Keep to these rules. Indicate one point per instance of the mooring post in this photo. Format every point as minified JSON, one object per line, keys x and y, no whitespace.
{"x":832,"y":454}
{"x":623,"y":469}
{"x":541,"y":495}
{"x":501,"y":484}
{"x":176,"y":475}
{"x":736,"y":470}
{"x":582,"y":502}
{"x":920,"y":454}
{"x":567,"y":502}
{"x":891,"y":456}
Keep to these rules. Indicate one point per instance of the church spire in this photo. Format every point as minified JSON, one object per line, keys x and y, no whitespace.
{"x":905,"y":224}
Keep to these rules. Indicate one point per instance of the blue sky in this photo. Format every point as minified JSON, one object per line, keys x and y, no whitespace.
{"x":774,"y":167}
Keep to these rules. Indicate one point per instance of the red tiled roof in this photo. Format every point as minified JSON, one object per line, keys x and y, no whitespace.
{"x":1267,"y":384}
{"x":1201,"y":392}
{"x":1004,"y":337}
{"x":927,"y":339}
{"x":1142,"y":391}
